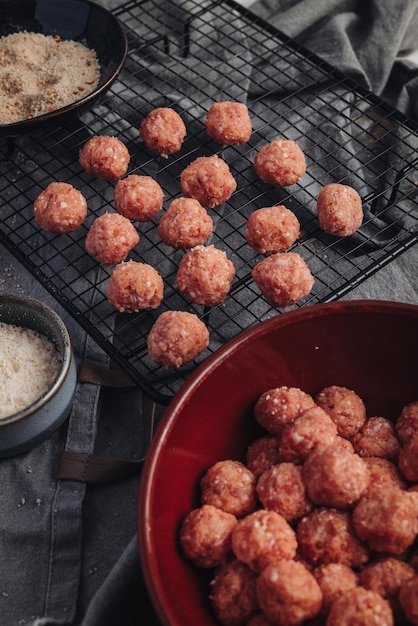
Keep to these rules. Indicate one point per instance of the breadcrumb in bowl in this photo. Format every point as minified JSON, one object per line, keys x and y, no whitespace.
{"x":211,"y":420}
{"x":80,"y":21}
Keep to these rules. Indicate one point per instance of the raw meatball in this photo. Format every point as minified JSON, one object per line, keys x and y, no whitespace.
{"x":138,"y":198}
{"x":134,"y":287}
{"x":339,"y":209}
{"x":229,"y":123}
{"x":335,"y":477}
{"x":263,"y":537}
{"x":377,"y":437}
{"x":407,"y":422}
{"x":205,"y":275}
{"x":262,"y":454}
{"x":386,"y":576}
{"x":272,"y":229}
{"x":205,"y":535}
{"x":110,"y":238}
{"x":60,"y":208}
{"x":408,"y":459}
{"x":233,"y":593}
{"x":288,"y":593}
{"x":280,"y":163}
{"x":327,"y":535}
{"x":360,"y":606}
{"x":209,"y":180}
{"x":387,"y":520}
{"x":163,"y":131}
{"x":333,"y":579}
{"x":230,"y":486}
{"x":185,"y":224}
{"x":300,"y":437}
{"x":383,"y":475}
{"x":105,"y":157}
{"x":177,"y":338}
{"x":345,"y":408}
{"x":277,"y":407}
{"x":283,"y":278}
{"x":281,"y":489}
{"x":408,"y":598}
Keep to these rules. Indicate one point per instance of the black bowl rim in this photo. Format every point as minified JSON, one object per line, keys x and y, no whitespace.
{"x":29,"y":302}
{"x":16,"y":128}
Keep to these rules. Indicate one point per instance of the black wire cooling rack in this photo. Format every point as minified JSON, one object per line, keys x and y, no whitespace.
{"x":187,"y":55}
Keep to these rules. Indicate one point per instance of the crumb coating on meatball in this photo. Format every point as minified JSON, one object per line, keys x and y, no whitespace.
{"x":163,"y":131}
{"x":139,"y":198}
{"x":177,"y":338}
{"x":229,"y":485}
{"x":105,"y":157}
{"x":280,"y":405}
{"x":229,"y":123}
{"x":209,"y":180}
{"x":339,"y":209}
{"x":272,"y":229}
{"x":280,"y":162}
{"x":185,"y":224}
{"x":110,"y":238}
{"x":135,"y":286}
{"x":60,"y":208}
{"x":283,"y":279}
{"x":205,"y":275}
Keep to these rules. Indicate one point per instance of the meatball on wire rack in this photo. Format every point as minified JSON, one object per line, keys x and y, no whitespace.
{"x":186,"y":57}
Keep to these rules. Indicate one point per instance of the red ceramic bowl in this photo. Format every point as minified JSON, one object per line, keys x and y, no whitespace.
{"x":368,"y":346}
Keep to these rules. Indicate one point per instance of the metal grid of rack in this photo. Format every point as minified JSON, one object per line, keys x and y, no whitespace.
{"x":188,"y":58}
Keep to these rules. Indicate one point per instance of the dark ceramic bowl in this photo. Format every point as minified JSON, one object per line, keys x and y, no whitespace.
{"x":23,"y":430}
{"x":368,"y":346}
{"x":79,"y":20}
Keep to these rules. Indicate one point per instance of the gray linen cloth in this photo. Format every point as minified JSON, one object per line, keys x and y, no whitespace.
{"x":68,"y":551}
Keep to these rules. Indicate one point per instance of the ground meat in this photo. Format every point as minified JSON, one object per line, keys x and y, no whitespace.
{"x":262,"y":454}
{"x":386,"y":576}
{"x":134,"y":287}
{"x":205,"y":275}
{"x":408,"y":459}
{"x":104,"y":157}
{"x":233,"y":593}
{"x":300,"y":437}
{"x":360,"y":606}
{"x":345,"y":408}
{"x":177,"y":338}
{"x":163,"y":131}
{"x":110,"y":238}
{"x":209,"y":180}
{"x":185,"y":224}
{"x":408,"y":598}
{"x":263,"y":537}
{"x":383,"y":474}
{"x":387,"y":520}
{"x":333,"y":579}
{"x":288,"y":593}
{"x":60,"y":208}
{"x":283,"y":278}
{"x":407,"y":422}
{"x":280,"y":163}
{"x":230,"y":486}
{"x":281,"y":489}
{"x":377,"y":437}
{"x":327,"y":535}
{"x":229,"y":123}
{"x":205,"y":535}
{"x":138,"y":198}
{"x":339,"y":209}
{"x":272,"y":229}
{"x":335,"y":477}
{"x":281,"y":405}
